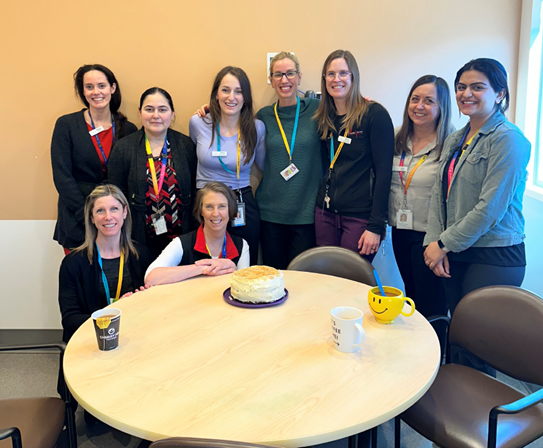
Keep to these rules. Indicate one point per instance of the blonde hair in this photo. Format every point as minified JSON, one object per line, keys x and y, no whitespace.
{"x":284,"y":55}
{"x":355,"y":103}
{"x":91,"y":232}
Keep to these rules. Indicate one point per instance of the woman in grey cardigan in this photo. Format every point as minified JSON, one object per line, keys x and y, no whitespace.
{"x":80,"y":148}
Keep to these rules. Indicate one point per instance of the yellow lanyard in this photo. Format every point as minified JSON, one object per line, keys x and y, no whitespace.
{"x":157,"y":185}
{"x":412,"y":173}
{"x":468,"y":143}
{"x":290,"y":148}
{"x":338,"y":150}
{"x":120,"y":282}
{"x":219,"y":150}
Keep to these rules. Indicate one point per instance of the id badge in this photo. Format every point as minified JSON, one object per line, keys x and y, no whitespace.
{"x":239,"y":220}
{"x":96,"y":131}
{"x":404,"y":219}
{"x":219,"y":153}
{"x":289,"y":172}
{"x":401,"y":169}
{"x":160,"y":225}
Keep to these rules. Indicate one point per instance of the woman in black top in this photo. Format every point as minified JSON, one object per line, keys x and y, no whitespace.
{"x":358,"y":145}
{"x":81,"y":145}
{"x":155,"y":167}
{"x":89,"y":276}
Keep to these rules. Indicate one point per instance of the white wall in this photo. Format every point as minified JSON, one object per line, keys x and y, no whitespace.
{"x":29,"y":263}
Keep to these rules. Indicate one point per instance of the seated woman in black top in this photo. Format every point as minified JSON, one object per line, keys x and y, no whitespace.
{"x":89,"y":276}
{"x":210,"y":250}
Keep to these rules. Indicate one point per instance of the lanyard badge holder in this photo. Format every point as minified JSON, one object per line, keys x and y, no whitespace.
{"x":404,"y":216}
{"x":333,"y":157}
{"x":96,"y":130}
{"x":239,"y":220}
{"x":291,"y":170}
{"x":159,"y":221}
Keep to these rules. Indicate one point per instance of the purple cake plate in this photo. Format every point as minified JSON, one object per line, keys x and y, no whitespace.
{"x":228,"y":299}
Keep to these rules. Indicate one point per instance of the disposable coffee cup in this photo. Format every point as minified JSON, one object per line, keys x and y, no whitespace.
{"x":107,"y":323}
{"x":347,"y":330}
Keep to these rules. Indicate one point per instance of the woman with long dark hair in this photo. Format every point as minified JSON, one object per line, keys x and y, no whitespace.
{"x":475,"y":234}
{"x":228,"y":141}
{"x":81,"y":145}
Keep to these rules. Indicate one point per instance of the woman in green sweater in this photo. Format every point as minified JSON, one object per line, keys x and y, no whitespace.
{"x":292,"y":169}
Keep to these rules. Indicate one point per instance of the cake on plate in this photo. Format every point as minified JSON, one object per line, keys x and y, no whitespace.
{"x":257,"y":284}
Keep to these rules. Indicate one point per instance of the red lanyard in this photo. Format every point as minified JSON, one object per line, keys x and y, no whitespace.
{"x":157,"y":186}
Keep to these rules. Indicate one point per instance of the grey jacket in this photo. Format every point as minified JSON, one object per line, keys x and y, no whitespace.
{"x":484,"y":208}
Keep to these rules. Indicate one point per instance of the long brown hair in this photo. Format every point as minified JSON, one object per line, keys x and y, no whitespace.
{"x":443,"y":122}
{"x":91,"y":232}
{"x":355,"y":103}
{"x":247,"y":125}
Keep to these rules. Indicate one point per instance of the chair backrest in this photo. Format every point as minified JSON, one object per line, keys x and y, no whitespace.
{"x":336,"y":261}
{"x":502,"y":325}
{"x":189,"y":442}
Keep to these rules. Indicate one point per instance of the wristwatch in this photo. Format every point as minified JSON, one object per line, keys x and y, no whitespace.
{"x":442,"y":246}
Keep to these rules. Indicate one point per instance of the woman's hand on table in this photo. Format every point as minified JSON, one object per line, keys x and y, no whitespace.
{"x":436,"y":259}
{"x":141,"y":288}
{"x":216,"y":266}
{"x":369,"y":243}
{"x":203,"y":111}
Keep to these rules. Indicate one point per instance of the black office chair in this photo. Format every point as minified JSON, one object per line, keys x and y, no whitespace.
{"x":36,"y":422}
{"x":503,"y":326}
{"x":336,"y":261}
{"x":189,"y":442}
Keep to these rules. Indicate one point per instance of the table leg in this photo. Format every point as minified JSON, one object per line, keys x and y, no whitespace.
{"x":353,"y":441}
{"x":364,"y":439}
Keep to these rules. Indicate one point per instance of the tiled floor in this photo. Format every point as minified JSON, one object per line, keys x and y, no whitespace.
{"x":35,"y":374}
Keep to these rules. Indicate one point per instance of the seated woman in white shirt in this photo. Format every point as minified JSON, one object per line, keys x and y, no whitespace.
{"x":210,"y":250}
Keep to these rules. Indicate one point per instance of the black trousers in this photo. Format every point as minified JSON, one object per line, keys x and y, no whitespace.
{"x":282,"y":242}
{"x":467,"y":277}
{"x":421,"y":284}
{"x":250,"y":232}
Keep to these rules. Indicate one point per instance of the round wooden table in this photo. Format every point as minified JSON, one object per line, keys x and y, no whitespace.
{"x":191,"y":365}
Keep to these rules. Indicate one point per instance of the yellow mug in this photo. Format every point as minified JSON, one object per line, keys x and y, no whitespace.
{"x":387,"y":309}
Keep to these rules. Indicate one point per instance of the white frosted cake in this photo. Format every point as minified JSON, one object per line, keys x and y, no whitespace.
{"x":257,"y":284}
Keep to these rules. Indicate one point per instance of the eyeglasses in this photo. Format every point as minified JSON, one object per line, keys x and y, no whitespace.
{"x":343,"y":74}
{"x":291,"y":74}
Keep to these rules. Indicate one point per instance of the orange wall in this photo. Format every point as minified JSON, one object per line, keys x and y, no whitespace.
{"x":180,"y":46}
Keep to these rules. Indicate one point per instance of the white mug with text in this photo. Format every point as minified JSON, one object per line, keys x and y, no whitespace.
{"x":347,"y":330}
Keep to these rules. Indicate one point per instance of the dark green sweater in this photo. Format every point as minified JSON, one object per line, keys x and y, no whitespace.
{"x":292,"y":201}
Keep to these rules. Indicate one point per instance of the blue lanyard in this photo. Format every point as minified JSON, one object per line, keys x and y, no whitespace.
{"x":223,"y":248}
{"x":219,"y":149}
{"x":290,"y":149}
{"x":104,"y":279}
{"x":98,"y":139}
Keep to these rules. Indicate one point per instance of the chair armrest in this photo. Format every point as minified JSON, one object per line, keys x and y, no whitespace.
{"x":15,"y":435}
{"x":447,"y":320}
{"x":438,"y":317}
{"x":511,"y":408}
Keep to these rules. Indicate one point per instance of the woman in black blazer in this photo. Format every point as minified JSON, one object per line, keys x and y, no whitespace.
{"x":81,"y":145}
{"x":155,"y":167}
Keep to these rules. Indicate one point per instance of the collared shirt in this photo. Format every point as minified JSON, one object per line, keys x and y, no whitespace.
{"x":420,"y":189}
{"x":484,"y":207}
